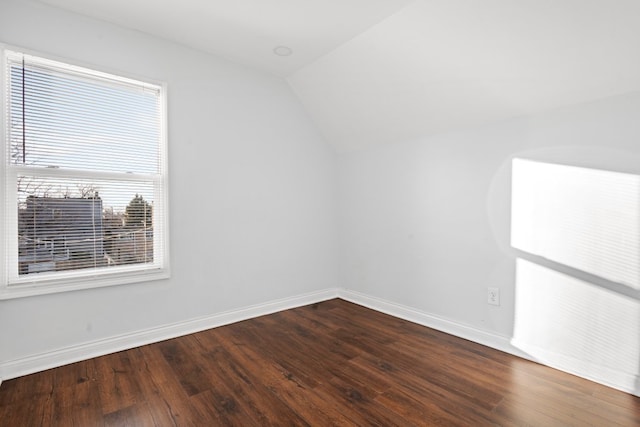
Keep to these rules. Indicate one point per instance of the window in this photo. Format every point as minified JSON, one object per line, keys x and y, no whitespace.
{"x":85,"y":171}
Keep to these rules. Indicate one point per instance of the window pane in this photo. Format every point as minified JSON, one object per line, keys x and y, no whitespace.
{"x":70,"y":224}
{"x":64,"y":121}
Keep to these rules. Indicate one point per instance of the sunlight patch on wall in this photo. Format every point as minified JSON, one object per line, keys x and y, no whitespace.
{"x":588,"y":219}
{"x":577,"y":326}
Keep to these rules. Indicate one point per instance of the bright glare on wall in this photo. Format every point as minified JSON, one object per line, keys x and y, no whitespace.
{"x":588,"y":219}
{"x":576,"y":326}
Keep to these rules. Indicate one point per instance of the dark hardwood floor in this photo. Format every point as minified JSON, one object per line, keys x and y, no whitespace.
{"x":333,"y":363}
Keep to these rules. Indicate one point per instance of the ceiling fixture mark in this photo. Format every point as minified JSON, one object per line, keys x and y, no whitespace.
{"x":282,"y":51}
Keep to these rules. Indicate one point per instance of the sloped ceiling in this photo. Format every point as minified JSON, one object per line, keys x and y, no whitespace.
{"x":447,"y":64}
{"x":246,"y":31}
{"x":380,"y":71}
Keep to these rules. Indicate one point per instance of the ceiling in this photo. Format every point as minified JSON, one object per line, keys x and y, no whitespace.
{"x":441,"y":65}
{"x":380,"y":71}
{"x":246,"y":31}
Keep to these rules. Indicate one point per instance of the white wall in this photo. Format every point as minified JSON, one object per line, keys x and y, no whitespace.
{"x":425,"y":224}
{"x":251,"y":190}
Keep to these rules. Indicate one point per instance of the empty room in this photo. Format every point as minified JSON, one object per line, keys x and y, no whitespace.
{"x":320,"y":213}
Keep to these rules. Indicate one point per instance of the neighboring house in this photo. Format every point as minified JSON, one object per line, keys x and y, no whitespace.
{"x":127,"y":241}
{"x":129,"y":245}
{"x":57,"y":233}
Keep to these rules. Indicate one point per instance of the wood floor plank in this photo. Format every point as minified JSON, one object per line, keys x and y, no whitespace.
{"x":178,"y":354}
{"x":167,"y":401}
{"x":424,"y":411}
{"x":621,"y":400}
{"x":290,"y":389}
{"x":35,"y":412}
{"x":448,"y":400}
{"x":248,"y":376}
{"x":138,"y":415}
{"x":29,"y":387}
{"x":116,"y":384}
{"x":510,"y":412}
{"x":247,"y":390}
{"x":333,"y":363}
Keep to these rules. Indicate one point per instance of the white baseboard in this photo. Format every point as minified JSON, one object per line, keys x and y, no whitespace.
{"x":51,"y":359}
{"x":615,"y":379}
{"x":490,"y":339}
{"x":595,"y":372}
{"x":64,"y":356}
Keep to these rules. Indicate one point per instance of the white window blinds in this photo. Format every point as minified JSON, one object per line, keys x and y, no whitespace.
{"x":85,"y":166}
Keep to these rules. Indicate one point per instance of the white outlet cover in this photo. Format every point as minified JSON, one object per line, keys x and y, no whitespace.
{"x":493,"y":296}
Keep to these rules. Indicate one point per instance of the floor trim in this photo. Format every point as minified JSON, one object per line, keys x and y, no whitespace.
{"x":39,"y":362}
{"x":490,"y":339}
{"x":611,"y":378}
{"x":51,"y":359}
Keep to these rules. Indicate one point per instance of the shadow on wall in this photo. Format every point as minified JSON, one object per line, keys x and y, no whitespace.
{"x":577,"y":295}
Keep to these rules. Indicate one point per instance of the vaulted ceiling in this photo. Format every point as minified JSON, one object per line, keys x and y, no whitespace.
{"x":381,"y":71}
{"x":246,"y":31}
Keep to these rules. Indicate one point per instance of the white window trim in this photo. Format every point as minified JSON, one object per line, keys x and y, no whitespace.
{"x":12,"y":286}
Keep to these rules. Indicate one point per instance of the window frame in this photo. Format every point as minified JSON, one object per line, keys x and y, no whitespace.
{"x":12,"y":285}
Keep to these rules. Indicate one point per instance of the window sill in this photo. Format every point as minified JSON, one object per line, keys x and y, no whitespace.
{"x":28,"y":289}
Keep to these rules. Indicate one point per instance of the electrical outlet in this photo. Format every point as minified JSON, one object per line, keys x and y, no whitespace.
{"x":493,"y":296}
